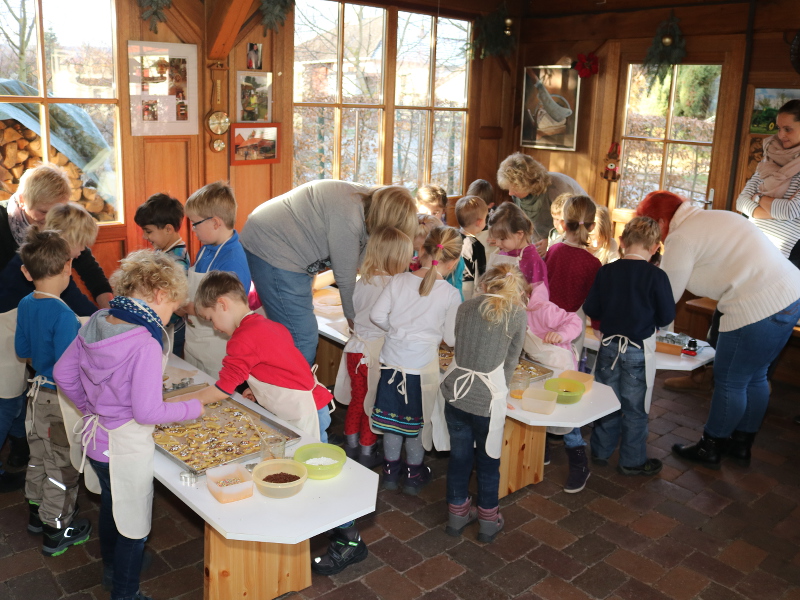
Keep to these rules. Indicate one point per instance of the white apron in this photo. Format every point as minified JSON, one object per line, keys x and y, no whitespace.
{"x":550,"y":355}
{"x":496,"y":382}
{"x":502,"y":259}
{"x":372,"y":359}
{"x":13,"y":379}
{"x":204,"y":348}
{"x":296,"y":407}
{"x":649,"y":345}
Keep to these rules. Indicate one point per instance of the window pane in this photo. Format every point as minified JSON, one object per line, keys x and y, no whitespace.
{"x":313,"y":143}
{"x":413,"y":59}
{"x":18,"y":123}
{"x":316,"y":41}
{"x":647,"y":106}
{"x":410,"y":131}
{"x":448,"y":150}
{"x":452,"y":38}
{"x":362,"y":71}
{"x":695,"y":109}
{"x":18,"y":46}
{"x":687,"y":170}
{"x":82,"y":140}
{"x":79,"y":65}
{"x":641,"y":172}
{"x":361,"y":134}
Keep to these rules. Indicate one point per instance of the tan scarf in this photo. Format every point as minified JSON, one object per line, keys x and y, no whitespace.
{"x":778,"y":167}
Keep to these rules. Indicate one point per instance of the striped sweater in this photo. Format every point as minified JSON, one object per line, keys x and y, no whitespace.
{"x":783,"y":229}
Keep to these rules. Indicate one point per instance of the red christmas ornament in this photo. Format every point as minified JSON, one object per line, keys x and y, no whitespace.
{"x":587,"y":65}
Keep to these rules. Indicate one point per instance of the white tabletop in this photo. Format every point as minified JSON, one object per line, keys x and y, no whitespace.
{"x":664,"y":361}
{"x":318,"y":507}
{"x":326,"y":331}
{"x":597,"y":402}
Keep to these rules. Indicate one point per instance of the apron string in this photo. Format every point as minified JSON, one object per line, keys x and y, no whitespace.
{"x":622,"y":346}
{"x":33,"y":393}
{"x":401,"y":386}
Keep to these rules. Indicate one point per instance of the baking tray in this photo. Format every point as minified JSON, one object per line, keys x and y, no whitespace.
{"x":225,"y":426}
{"x":538,"y":371}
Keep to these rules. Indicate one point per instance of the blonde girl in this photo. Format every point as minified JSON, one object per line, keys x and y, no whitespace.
{"x":511,"y":231}
{"x":417,"y":310}
{"x":489,"y":331}
{"x":602,"y":242}
{"x":388,"y":253}
{"x":425,"y":224}
{"x":432,"y":200}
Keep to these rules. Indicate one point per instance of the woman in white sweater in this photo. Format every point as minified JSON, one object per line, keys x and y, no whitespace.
{"x":720,"y":255}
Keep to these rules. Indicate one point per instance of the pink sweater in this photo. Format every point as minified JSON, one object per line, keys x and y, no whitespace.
{"x":544,"y":317}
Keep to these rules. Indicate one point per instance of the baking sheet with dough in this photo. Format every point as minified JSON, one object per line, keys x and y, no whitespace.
{"x":328,"y":303}
{"x":174,"y":375}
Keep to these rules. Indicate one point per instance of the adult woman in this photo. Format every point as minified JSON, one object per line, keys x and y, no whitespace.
{"x":533,"y":189}
{"x":323,"y":223}
{"x":772,"y":195}
{"x":724,"y":257}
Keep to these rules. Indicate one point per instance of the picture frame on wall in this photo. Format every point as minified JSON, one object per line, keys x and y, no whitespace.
{"x":255,"y":144}
{"x":163,"y":88}
{"x":766,"y":102}
{"x":253,"y":97}
{"x":550,"y":99}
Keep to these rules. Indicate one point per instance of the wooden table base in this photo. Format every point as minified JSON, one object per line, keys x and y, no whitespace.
{"x":522,"y":460}
{"x":256,"y":570}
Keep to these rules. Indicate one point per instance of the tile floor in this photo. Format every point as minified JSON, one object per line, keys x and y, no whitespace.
{"x":689,"y":533}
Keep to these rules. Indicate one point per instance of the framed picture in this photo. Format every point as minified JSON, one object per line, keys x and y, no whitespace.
{"x":550,"y":110}
{"x":254,"y":97}
{"x":766,"y":103}
{"x":254,"y":56}
{"x":163,"y":88}
{"x":254,"y":144}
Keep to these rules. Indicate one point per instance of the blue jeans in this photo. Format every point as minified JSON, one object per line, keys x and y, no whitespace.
{"x":467,"y":446}
{"x":574,"y":439}
{"x":741,"y":391}
{"x":324,"y":416}
{"x":12,"y":417}
{"x":120,"y":554}
{"x":627,"y":426}
{"x":287,"y":299}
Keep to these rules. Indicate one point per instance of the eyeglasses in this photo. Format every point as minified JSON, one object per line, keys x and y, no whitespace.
{"x":196,"y":225}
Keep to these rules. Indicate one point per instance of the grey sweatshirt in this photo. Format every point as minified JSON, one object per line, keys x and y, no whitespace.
{"x":538,"y":207}
{"x":483,"y":346}
{"x":318,"y":221}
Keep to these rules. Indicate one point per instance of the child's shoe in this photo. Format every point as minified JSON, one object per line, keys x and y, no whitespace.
{"x":34,"y":522}
{"x":546,"y":452}
{"x":370,"y":456}
{"x":578,"y":470}
{"x":417,"y":477}
{"x":352,"y":451}
{"x":391,"y":474}
{"x":56,"y":541}
{"x":491,"y":523}
{"x":459,"y":516}
{"x":346,"y":548}
{"x":650,"y":467}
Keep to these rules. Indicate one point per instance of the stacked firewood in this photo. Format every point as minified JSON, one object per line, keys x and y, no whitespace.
{"x":21,"y":149}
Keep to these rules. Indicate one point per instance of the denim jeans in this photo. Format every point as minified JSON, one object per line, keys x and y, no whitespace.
{"x":627,"y":426}
{"x":12,"y":417}
{"x":120,"y":554}
{"x":287,"y":299}
{"x":741,"y":391}
{"x":468,"y":445}
{"x":324,"y":416}
{"x":574,"y":439}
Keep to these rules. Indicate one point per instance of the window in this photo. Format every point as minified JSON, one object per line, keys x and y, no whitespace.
{"x":375,"y":114}
{"x":58,"y":97}
{"x":668,"y":133}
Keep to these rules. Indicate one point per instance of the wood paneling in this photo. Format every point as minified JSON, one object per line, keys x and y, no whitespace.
{"x":225,"y":18}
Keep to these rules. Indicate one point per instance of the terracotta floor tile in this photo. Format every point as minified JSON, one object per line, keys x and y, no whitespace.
{"x":758,"y":585}
{"x":390,"y":585}
{"x":554,"y":588}
{"x":708,"y":502}
{"x":558,"y":563}
{"x":394,"y":553}
{"x":638,"y":567}
{"x":698,"y":539}
{"x":543,"y":507}
{"x":682,"y":513}
{"x":518,"y":576}
{"x":713,"y":569}
{"x":513,"y":545}
{"x":757,"y":483}
{"x":623,"y":537}
{"x":682,"y":583}
{"x":470,"y":587}
{"x":694,"y":481}
{"x":399,"y":525}
{"x":434,"y":572}
{"x":613,"y":510}
{"x":636,"y":590}
{"x":475,"y":559}
{"x":548,"y":533}
{"x":600,"y":580}
{"x":742,"y":556}
{"x":582,"y":521}
{"x":654,"y":525}
{"x":590,"y":549}
{"x":25,"y":562}
{"x":642,"y":500}
{"x":667,"y":552}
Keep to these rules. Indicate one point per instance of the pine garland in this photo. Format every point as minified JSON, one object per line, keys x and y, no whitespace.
{"x":661,"y":57}
{"x":273,"y":13}
{"x":154,"y":12}
{"x":490,"y":36}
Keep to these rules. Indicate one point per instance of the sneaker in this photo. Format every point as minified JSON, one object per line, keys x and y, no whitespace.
{"x":345,"y":549}
{"x":417,"y":477}
{"x":57,"y":541}
{"x":650,"y":467}
{"x":457,"y":523}
{"x":546,"y":452}
{"x":600,"y":462}
{"x":578,"y":470}
{"x":11,"y":482}
{"x":391,"y":474}
{"x":489,"y":529}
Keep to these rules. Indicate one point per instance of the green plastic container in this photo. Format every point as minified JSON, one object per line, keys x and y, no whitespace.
{"x":569,"y":391}
{"x":309,"y":451}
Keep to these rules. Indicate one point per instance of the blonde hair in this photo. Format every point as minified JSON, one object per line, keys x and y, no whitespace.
{"x":510,"y":289}
{"x":390,"y":206}
{"x":144,"y":272}
{"x":43,"y":186}
{"x":431,"y":196}
{"x":602,"y":234}
{"x":214,"y":200}
{"x":557,"y":206}
{"x":217,"y":284}
{"x":470,"y":209}
{"x":507,"y":220}
{"x":482,"y":189}
{"x":643,"y":231}
{"x":443,"y":244}
{"x":579,"y":214}
{"x":74,"y":223}
{"x":522,"y":172}
{"x":44,"y":253}
{"x":388,"y":252}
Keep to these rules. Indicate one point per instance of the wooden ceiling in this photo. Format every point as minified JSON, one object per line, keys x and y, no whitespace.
{"x":543,"y":8}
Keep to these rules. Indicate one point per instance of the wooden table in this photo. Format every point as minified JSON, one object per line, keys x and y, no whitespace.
{"x":258,"y":548}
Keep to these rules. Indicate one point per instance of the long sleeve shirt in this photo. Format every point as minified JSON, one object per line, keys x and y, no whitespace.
{"x":571,"y":273}
{"x":225,"y":257}
{"x":783,"y":229}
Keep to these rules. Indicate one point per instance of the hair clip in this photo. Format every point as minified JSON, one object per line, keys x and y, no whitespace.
{"x":580,"y":222}
{"x":439,"y":246}
{"x":434,"y":262}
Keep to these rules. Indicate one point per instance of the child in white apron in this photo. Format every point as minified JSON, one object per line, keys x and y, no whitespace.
{"x":112,"y":373}
{"x":511,"y":231}
{"x":490,"y":331}
{"x":388,"y":253}
{"x":417,"y":310}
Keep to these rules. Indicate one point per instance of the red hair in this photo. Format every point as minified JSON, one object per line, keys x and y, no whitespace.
{"x":660,"y":206}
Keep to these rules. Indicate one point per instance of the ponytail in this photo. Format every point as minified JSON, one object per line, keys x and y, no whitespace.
{"x":579,"y":213}
{"x":443,"y":244}
{"x":508,"y":290}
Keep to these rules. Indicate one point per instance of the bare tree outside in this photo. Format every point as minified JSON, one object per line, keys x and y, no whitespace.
{"x":18,"y":49}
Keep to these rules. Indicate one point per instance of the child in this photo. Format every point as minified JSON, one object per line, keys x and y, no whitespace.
{"x":432,"y":200}
{"x":552,"y":324}
{"x":417,"y":310}
{"x":631,"y":298}
{"x":571,"y":270}
{"x":212,"y":213}
{"x":160,"y":218}
{"x":556,"y":234}
{"x":471,"y":212}
{"x":483,"y":190}
{"x":388,"y":253}
{"x":603,"y":245}
{"x":489,"y":331}
{"x":45,"y":327}
{"x":511,"y":230}
{"x":112,"y":372}
{"x":426,"y":224}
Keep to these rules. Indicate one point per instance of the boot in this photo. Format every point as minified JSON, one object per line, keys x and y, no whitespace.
{"x":391,"y":474}
{"x":352,"y":451}
{"x":417,"y":477}
{"x":34,"y":522}
{"x":738,"y":447}
{"x":699,"y":380}
{"x":707,"y":452}
{"x":20,"y":452}
{"x":370,"y":456}
{"x":459,"y":516}
{"x":346,"y":548}
{"x":56,"y":541}
{"x":578,"y":470}
{"x":490,"y":526}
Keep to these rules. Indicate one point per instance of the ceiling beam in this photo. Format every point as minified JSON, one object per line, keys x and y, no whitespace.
{"x":225,"y":19}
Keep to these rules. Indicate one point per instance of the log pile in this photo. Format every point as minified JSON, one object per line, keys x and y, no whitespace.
{"x":21,"y":149}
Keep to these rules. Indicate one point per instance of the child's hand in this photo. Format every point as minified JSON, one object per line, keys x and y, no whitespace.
{"x":552,"y":338}
{"x":248,"y":394}
{"x":541,"y":247}
{"x":509,"y":407}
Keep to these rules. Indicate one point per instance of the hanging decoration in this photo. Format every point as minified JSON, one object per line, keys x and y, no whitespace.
{"x":586,"y":65}
{"x":668,"y":49}
{"x":154,"y":12}
{"x":273,"y":13}
{"x":493,"y":35}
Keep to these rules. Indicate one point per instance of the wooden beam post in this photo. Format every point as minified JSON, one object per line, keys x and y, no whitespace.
{"x":224,"y":22}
